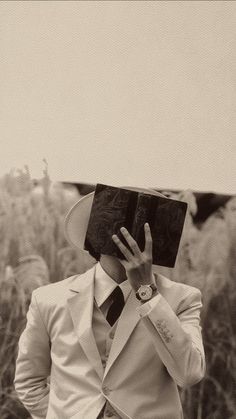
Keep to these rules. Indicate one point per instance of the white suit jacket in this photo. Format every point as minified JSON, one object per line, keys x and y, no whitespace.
{"x":150,"y":356}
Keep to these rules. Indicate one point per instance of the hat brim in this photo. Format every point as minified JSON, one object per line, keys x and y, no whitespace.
{"x":76,"y":221}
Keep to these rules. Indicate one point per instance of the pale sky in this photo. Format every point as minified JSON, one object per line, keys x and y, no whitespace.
{"x":123,"y":93}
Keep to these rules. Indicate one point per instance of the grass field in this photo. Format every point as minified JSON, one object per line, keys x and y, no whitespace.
{"x":34,"y":252}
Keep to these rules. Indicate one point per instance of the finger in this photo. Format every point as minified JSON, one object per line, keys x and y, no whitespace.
{"x":131,"y":242}
{"x":148,"y":239}
{"x":127,"y":254}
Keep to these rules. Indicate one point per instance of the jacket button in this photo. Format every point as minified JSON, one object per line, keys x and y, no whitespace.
{"x":106,"y":391}
{"x":111,"y":335}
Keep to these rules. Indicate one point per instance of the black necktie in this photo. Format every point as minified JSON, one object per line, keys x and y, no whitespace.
{"x":117,"y":305}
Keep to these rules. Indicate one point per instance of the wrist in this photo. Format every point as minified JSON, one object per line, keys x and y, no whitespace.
{"x":136,"y":284}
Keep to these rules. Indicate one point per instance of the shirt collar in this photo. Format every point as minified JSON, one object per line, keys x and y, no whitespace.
{"x":104,"y":285}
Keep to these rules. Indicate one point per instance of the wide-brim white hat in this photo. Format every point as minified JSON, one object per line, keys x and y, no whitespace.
{"x":77,"y":219}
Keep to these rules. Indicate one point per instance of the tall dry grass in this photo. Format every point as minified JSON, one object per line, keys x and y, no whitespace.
{"x":34,"y":252}
{"x":209,"y":263}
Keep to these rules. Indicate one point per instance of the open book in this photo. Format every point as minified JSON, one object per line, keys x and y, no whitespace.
{"x":114,"y":208}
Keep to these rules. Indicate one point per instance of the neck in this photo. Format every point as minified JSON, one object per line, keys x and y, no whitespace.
{"x":113,"y":268}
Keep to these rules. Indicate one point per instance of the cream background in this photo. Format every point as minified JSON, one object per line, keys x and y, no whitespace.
{"x":126,"y":93}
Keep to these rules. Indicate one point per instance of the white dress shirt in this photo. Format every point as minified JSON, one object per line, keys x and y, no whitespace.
{"x":103,"y":287}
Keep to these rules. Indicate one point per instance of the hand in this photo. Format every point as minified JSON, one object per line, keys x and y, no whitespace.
{"x":138,"y":265}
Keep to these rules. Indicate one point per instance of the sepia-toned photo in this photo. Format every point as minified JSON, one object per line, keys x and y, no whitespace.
{"x":118,"y":210}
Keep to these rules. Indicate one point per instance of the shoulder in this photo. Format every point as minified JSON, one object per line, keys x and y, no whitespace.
{"x":56,"y":291}
{"x":59,"y":292}
{"x":177,"y":286}
{"x":178,"y":294}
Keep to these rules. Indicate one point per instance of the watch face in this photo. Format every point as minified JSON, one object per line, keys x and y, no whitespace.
{"x":145,"y":292}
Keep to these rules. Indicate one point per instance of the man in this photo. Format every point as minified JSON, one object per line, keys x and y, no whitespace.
{"x":116,"y":341}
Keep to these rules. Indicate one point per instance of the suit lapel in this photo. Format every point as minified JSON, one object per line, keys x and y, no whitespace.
{"x":125,"y":326}
{"x":81,"y":310}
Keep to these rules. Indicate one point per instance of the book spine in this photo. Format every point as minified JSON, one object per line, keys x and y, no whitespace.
{"x":141,"y":216}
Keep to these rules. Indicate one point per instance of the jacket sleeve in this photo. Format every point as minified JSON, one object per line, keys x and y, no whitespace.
{"x":33,"y":364}
{"x":177,"y":337}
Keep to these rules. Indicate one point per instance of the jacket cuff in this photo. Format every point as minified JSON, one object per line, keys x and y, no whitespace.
{"x":146,"y":308}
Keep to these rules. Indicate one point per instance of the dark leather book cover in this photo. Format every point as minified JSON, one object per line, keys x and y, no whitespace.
{"x":114,"y":208}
